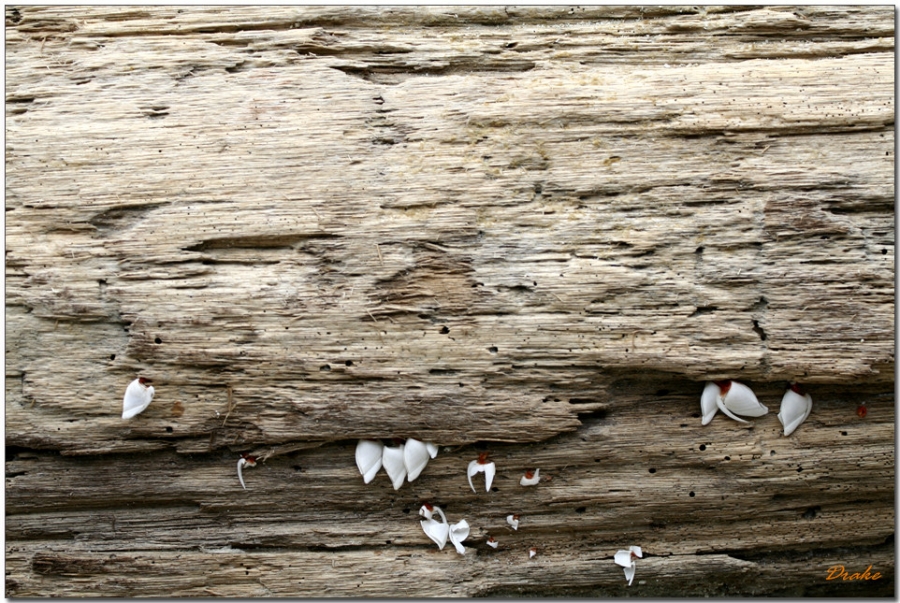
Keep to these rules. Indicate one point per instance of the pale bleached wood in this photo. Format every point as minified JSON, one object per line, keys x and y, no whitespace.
{"x":529,"y":230}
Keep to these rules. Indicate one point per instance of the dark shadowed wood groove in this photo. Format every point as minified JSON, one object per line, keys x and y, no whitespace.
{"x":529,"y":231}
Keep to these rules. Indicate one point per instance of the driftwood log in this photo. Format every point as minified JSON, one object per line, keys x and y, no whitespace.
{"x":532,"y":232}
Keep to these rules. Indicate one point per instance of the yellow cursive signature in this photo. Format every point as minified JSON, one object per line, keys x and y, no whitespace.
{"x":836,"y":572}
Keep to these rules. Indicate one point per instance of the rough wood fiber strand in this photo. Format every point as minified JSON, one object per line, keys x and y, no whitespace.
{"x":532,"y":231}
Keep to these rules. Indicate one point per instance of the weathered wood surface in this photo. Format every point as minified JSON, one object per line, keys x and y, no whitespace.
{"x":533,"y":231}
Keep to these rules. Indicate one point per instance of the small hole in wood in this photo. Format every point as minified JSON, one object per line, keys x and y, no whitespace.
{"x":493,"y":349}
{"x":702,"y":446}
{"x":444,"y":330}
{"x":112,"y":356}
{"x":581,"y":509}
{"x":651,"y":470}
{"x":325,"y":367}
{"x":169,"y":430}
{"x":349,"y":363}
{"x":759,"y":330}
{"x":691,"y":494}
{"x":158,"y":340}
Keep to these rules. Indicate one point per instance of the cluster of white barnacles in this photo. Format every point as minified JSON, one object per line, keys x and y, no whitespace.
{"x":439,"y":531}
{"x":405,"y":461}
{"x":734,"y":398}
{"x":482,"y":465}
{"x":408,"y":460}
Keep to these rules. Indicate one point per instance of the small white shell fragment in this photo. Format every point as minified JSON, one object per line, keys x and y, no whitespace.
{"x":531,"y":481}
{"x":741,"y":400}
{"x":437,"y":531}
{"x":532,"y":552}
{"x":629,"y":573}
{"x":513,"y":521}
{"x":708,"y":405}
{"x":732,"y":398}
{"x":625,"y":558}
{"x":368,"y":458}
{"x":458,"y":533}
{"x":492,"y":542}
{"x":137,"y":398}
{"x":241,"y":462}
{"x":249,"y":462}
{"x":432,"y":449}
{"x":482,"y":466}
{"x":471,"y":470}
{"x":415,"y":457}
{"x":795,"y":408}
{"x":489,"y":470}
{"x":392,"y":461}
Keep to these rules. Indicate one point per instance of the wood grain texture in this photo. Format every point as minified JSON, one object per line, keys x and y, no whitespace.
{"x":531,"y":231}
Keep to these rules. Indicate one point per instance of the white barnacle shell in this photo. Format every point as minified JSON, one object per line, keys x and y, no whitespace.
{"x":137,"y":397}
{"x":532,"y":552}
{"x":249,"y":461}
{"x":625,"y":558}
{"x":492,"y":542}
{"x":392,"y":461}
{"x":415,"y":456}
{"x":481,"y":465}
{"x":458,"y":533}
{"x":368,"y":458}
{"x":513,"y":521}
{"x":240,"y":464}
{"x":531,"y":481}
{"x":732,"y":398}
{"x":438,"y":531}
{"x":795,"y":407}
{"x":708,"y":402}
